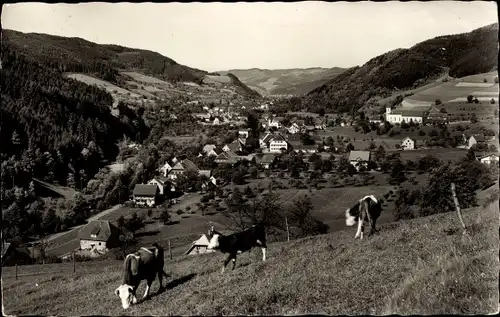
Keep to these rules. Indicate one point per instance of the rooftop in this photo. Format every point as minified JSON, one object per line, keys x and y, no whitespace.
{"x":361,"y":155}
{"x":145,"y":190}
{"x":97,"y":230}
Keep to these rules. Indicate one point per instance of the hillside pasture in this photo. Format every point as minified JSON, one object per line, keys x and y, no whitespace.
{"x":111,"y":88}
{"x":479,"y":78}
{"x":210,"y":79}
{"x":450,"y":91}
{"x":422,"y":266}
{"x":142,"y":78}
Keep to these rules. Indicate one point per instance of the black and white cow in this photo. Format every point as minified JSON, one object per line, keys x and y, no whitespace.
{"x":367,"y":209}
{"x":144,"y":264}
{"x":238,"y":242}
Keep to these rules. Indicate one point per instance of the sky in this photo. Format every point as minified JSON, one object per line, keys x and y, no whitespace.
{"x":274,"y":35}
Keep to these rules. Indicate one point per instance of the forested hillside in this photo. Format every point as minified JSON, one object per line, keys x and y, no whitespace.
{"x":459,"y":55}
{"x":78,"y":55}
{"x":53,"y":128}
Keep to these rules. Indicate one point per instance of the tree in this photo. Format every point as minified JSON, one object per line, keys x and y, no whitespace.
{"x":438,"y":102}
{"x":301,"y":216}
{"x":473,"y":118}
{"x":437,"y":195}
{"x":492,"y":101}
{"x":380,"y":154}
{"x":253,"y":172}
{"x":470,"y":98}
{"x":134,"y":224}
{"x":343,"y":164}
{"x":397,"y":175}
{"x":350,"y":147}
{"x":427,"y":163}
{"x":165,"y":216}
{"x":121,"y":222}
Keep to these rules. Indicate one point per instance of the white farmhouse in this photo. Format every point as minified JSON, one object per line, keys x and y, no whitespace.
{"x":98,"y":235}
{"x":165,"y":169}
{"x":489,"y":159}
{"x":408,"y":144}
{"x":277,"y":143}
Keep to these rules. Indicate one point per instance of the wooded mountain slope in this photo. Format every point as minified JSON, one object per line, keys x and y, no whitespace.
{"x":78,"y":55}
{"x":459,"y":55}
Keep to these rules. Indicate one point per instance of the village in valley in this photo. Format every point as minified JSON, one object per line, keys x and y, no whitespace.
{"x":107,"y":150}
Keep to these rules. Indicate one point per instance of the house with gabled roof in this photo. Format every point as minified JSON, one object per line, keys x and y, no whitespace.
{"x":275,"y":122}
{"x":199,"y":246}
{"x":488,"y":159}
{"x":320,"y":123}
{"x":165,"y":169}
{"x":264,"y":141}
{"x":277,"y":143}
{"x":99,"y":235}
{"x":209,"y":148}
{"x":235,"y":146}
{"x":181,"y":167}
{"x":476,"y":139}
{"x":408,"y":144}
{"x":359,"y":158}
{"x":266,"y":160}
{"x":435,"y":115}
{"x":227,"y":157}
{"x":145,"y":194}
{"x":164,"y":184}
{"x":294,"y":128}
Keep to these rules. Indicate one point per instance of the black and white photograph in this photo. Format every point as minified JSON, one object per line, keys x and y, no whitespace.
{"x":250,"y":158}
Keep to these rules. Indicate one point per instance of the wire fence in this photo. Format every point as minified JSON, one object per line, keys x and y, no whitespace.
{"x":72,"y":267}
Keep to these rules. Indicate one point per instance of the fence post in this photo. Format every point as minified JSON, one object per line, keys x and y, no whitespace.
{"x":74,"y":263}
{"x":170,"y":249}
{"x":287,"y":231}
{"x":457,"y":207}
{"x":16,"y":272}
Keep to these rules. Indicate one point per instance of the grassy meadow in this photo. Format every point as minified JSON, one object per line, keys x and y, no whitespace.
{"x":422,"y":266}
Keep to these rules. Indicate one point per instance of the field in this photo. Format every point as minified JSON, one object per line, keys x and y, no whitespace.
{"x":102,"y":84}
{"x":217,"y":79}
{"x":361,"y":141}
{"x":441,"y":153}
{"x":458,"y":90}
{"x":141,"y":78}
{"x":422,"y":266}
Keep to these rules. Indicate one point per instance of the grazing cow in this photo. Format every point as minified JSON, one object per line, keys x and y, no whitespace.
{"x":367,"y":208}
{"x":143,"y":264}
{"x":238,"y":242}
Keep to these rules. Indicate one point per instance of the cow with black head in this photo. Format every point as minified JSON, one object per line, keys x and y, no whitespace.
{"x":368,"y":209}
{"x":144,"y":264}
{"x":235,"y":243}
